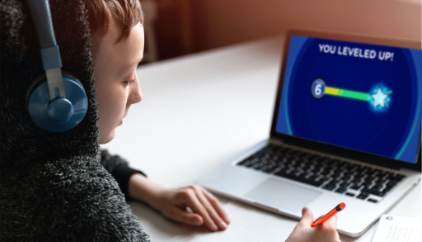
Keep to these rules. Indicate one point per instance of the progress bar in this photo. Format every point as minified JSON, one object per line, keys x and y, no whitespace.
{"x":379,"y":99}
{"x":347,"y":93}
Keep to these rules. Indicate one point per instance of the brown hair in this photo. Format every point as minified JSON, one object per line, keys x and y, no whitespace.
{"x":126,"y":14}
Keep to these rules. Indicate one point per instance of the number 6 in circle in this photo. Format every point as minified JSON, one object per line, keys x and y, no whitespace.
{"x":318,"y":88}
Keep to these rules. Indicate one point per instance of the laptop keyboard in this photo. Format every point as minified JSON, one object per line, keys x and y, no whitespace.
{"x":342,"y":177}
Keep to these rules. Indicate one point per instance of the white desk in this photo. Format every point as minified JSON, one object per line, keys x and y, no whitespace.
{"x":203,"y":109}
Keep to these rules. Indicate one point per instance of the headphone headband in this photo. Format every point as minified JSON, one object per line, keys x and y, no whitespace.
{"x":50,"y":54}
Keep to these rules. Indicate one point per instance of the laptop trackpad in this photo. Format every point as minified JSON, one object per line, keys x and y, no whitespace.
{"x":282,"y":195}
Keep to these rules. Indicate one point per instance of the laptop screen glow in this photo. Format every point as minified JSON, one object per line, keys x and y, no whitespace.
{"x":358,"y":96}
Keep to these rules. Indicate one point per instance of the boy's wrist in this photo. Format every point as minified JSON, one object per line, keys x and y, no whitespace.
{"x":144,"y":190}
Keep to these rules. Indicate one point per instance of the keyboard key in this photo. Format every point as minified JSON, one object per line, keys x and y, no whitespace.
{"x":244,"y":161}
{"x":350,"y":194}
{"x":329,"y":187}
{"x":377,"y":187}
{"x":341,"y":190}
{"x":372,"y":200}
{"x":269,"y":169}
{"x":373,"y":191}
{"x":299,"y":178}
{"x":258,"y":165}
{"x":387,"y":189}
{"x":363,"y":195}
{"x":395,"y":177}
{"x":400,"y":177}
{"x":252,"y":162}
{"x":312,"y":177}
{"x":344,"y":185}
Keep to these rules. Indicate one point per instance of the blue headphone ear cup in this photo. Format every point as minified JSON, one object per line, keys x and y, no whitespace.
{"x":59,"y":114}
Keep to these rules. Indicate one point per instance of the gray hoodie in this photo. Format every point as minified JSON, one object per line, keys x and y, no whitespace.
{"x":54,"y":186}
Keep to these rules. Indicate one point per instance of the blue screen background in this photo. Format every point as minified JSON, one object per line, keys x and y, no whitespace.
{"x":392,"y":132}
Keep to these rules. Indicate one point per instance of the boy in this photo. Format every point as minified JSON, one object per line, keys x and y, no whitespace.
{"x":109,"y":57}
{"x":52,"y":185}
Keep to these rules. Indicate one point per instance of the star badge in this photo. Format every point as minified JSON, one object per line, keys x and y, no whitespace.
{"x":380,"y":98}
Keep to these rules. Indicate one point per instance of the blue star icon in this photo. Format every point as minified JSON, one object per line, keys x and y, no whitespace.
{"x":380,"y":98}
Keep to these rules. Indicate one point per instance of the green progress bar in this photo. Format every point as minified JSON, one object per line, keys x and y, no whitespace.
{"x":347,"y":93}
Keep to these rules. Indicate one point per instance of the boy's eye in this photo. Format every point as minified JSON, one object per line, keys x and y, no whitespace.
{"x":126,"y":83}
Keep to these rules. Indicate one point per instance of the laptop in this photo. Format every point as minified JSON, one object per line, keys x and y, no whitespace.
{"x":346,"y":128}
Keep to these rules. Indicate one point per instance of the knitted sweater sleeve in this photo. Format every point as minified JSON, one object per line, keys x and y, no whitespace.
{"x":119,"y":169}
{"x":71,"y":199}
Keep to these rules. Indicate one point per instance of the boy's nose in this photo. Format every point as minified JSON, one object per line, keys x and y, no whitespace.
{"x":136,"y":93}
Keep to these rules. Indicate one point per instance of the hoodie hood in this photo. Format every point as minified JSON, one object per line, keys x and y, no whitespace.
{"x":21,"y":139}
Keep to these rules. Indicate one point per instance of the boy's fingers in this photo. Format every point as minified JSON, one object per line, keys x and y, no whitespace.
{"x":193,"y":202}
{"x":331,"y":223}
{"x":307,"y":216}
{"x":217,"y":206}
{"x":186,"y":217}
{"x":211,"y":211}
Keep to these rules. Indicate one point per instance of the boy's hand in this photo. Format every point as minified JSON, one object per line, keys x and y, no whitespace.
{"x":192,"y":205}
{"x":322,"y":233}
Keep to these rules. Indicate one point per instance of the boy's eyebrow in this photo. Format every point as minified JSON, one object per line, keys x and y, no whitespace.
{"x":132,"y":64}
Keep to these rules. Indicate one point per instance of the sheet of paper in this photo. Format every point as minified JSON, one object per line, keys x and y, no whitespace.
{"x":398,"y":229}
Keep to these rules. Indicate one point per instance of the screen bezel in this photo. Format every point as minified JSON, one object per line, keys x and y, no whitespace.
{"x":324,"y":147}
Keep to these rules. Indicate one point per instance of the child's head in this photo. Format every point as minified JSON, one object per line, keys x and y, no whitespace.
{"x":117,"y":44}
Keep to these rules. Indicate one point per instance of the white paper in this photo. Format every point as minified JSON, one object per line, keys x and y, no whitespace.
{"x":398,"y":229}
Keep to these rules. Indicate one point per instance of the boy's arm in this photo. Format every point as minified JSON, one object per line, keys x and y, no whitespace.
{"x":192,"y":205}
{"x":119,"y":169}
{"x":133,"y":183}
{"x":98,"y":210}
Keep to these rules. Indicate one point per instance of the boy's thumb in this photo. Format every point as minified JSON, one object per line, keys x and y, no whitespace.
{"x":307,"y":216}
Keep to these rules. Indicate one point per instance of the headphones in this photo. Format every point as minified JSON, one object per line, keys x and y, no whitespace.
{"x":49,"y":105}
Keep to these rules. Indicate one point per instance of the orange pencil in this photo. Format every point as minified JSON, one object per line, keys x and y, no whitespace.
{"x":326,"y":217}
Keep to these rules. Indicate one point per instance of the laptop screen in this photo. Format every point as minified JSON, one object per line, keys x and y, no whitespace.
{"x":358,"y":96}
